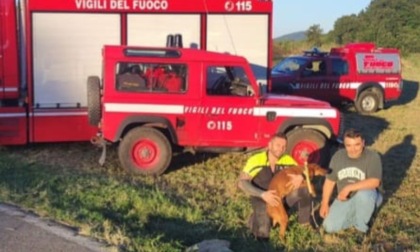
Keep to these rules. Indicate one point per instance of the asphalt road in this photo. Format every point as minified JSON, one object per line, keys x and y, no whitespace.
{"x":21,"y":232}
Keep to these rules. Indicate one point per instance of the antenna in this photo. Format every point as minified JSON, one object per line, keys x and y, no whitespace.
{"x":230,"y":34}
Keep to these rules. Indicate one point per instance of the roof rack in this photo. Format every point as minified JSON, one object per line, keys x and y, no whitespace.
{"x":315,"y":52}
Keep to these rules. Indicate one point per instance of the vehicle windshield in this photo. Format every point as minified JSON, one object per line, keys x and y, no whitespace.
{"x":289,"y":65}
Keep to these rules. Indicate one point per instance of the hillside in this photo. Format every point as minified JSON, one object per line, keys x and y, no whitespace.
{"x":295,"y":36}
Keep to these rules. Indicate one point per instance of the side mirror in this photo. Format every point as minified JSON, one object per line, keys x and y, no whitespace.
{"x":262,"y":87}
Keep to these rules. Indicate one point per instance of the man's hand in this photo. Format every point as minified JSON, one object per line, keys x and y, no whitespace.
{"x":295,"y":181}
{"x":327,"y":190}
{"x":344,"y":194}
{"x":323,"y":210}
{"x":270,"y":197}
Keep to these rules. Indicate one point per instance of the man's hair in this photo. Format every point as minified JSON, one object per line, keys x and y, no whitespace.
{"x":353,"y":133}
{"x":279,"y":135}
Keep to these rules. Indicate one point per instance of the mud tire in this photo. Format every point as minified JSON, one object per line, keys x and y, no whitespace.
{"x":94,"y":100}
{"x":367,"y":102}
{"x":145,"y":151}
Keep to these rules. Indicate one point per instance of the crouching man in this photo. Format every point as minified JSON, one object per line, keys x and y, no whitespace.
{"x":255,"y":178}
{"x":357,"y":173}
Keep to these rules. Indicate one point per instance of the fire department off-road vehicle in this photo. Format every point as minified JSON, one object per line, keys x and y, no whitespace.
{"x":357,"y":73}
{"x":49,"y":48}
{"x":152,"y":99}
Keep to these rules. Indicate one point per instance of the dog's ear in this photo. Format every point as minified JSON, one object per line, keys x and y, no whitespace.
{"x":318,"y":170}
{"x":313,"y":167}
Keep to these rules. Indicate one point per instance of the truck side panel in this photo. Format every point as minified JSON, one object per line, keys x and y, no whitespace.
{"x":152,"y":29}
{"x":13,"y":126}
{"x":9,"y":80}
{"x":240,"y":35}
{"x":66,"y":49}
{"x":61,"y":125}
{"x":13,"y":120}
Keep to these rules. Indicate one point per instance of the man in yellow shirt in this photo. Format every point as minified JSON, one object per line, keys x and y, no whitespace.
{"x":255,"y":178}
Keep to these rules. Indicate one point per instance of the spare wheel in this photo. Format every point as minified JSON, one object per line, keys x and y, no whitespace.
{"x":94,"y":100}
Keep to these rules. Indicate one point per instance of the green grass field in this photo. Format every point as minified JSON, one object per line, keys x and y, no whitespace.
{"x":197,"y":199}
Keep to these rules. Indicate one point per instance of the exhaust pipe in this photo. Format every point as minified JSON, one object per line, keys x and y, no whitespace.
{"x":170,"y":40}
{"x":178,"y":40}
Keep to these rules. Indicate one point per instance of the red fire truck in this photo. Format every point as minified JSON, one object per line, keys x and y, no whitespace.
{"x":49,"y":48}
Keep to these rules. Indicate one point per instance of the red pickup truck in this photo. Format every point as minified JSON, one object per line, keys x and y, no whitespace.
{"x":358,"y":73}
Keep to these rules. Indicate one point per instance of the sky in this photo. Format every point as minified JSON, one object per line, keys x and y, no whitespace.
{"x":298,"y":15}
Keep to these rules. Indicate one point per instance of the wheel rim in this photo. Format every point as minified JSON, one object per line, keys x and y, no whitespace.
{"x":306,"y":151}
{"x":145,"y":154}
{"x":368,"y":103}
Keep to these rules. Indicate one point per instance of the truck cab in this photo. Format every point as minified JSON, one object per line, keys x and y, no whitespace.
{"x":153,"y":99}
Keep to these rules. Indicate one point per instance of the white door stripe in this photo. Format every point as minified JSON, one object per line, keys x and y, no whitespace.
{"x":179,"y":109}
{"x":144,"y":108}
{"x":294,"y":112}
{"x":7,"y":115}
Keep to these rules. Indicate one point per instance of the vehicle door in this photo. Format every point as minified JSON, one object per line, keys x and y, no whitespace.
{"x":313,"y":81}
{"x":343,"y":81}
{"x":228,"y":104}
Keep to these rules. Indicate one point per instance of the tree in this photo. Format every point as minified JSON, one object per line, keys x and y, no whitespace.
{"x":387,"y":23}
{"x":313,"y":35}
{"x":346,"y":29}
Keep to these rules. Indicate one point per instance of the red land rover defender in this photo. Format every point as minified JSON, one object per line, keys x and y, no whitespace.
{"x":357,"y":73}
{"x":152,"y":99}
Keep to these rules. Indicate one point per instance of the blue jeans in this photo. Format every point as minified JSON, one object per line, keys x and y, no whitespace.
{"x":355,"y":212}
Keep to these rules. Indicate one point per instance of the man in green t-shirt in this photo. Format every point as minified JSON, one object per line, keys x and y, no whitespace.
{"x":357,"y":173}
{"x":255,"y":178}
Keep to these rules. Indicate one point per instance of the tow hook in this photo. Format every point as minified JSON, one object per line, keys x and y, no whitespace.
{"x":100,"y":142}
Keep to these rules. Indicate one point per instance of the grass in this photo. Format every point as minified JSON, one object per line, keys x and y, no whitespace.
{"x":197,"y":199}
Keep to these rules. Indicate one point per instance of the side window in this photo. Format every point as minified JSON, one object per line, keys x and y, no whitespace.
{"x":315,"y":68}
{"x":151,"y":77}
{"x":289,"y":65}
{"x":340,"y":67}
{"x":228,"y":81}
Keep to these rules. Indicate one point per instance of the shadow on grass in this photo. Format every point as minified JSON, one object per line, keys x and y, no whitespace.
{"x":185,"y":159}
{"x":408,"y":94}
{"x":370,"y":125}
{"x":396,"y":162}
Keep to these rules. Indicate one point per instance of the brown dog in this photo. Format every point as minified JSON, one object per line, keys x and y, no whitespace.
{"x":279,"y":183}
